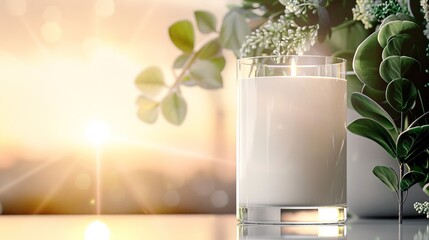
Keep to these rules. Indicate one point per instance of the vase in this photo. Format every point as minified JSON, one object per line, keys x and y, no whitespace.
{"x":367,"y":196}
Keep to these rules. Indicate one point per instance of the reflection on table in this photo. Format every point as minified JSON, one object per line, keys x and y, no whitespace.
{"x":356,"y":229}
{"x":199,"y":227}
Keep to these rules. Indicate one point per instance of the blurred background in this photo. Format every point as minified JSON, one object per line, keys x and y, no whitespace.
{"x":70,"y":138}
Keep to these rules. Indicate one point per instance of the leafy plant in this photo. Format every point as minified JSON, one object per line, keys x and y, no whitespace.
{"x":394,"y":104}
{"x":256,"y":27}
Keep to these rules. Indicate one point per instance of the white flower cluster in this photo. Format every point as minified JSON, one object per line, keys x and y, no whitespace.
{"x":425,"y":9}
{"x":298,"y":40}
{"x":422,"y":208}
{"x":362,"y":12}
{"x":265,"y":37}
{"x":299,"y":7}
{"x":282,"y":37}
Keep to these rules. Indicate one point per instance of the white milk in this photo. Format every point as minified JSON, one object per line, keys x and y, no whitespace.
{"x":291,"y":141}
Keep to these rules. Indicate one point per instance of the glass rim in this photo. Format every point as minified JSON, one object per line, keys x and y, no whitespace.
{"x":250,"y":60}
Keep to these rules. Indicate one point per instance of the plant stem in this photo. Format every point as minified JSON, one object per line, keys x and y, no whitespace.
{"x":401,"y":194}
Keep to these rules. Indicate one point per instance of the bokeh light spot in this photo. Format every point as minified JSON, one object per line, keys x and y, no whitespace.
{"x":16,"y":7}
{"x":219,"y":199}
{"x":51,"y":32}
{"x":83,"y":181}
{"x":204,"y":186}
{"x":97,"y":231}
{"x":104,"y":8}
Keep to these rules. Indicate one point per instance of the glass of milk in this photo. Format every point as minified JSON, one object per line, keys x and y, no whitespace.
{"x":291,"y":140}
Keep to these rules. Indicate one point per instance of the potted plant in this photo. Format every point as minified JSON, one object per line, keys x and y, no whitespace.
{"x":390,"y":85}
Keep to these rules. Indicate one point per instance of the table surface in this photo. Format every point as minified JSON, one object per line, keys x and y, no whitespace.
{"x":201,"y":227}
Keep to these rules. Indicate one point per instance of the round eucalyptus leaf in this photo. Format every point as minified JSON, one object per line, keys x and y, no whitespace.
{"x":366,"y":63}
{"x":181,"y":60}
{"x":189,"y":82}
{"x":373,"y":130}
{"x":182,"y":35}
{"x":219,"y":62}
{"x":151,"y":82}
{"x":206,"y":21}
{"x":234,"y":31}
{"x":147,"y":109}
{"x":388,"y":176}
{"x":174,"y":108}
{"x":401,"y":94}
{"x":397,"y":27}
{"x":412,"y":142}
{"x":401,"y":45}
{"x":398,"y":16}
{"x":395,"y":67}
{"x":206,"y":74}
{"x":210,"y":50}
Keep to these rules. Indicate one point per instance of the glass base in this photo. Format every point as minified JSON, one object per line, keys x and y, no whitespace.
{"x":281,"y":232}
{"x":292,"y":215}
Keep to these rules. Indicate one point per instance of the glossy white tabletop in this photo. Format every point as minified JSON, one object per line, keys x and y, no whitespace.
{"x":201,"y":227}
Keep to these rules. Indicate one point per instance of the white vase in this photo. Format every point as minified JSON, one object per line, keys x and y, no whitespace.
{"x":367,"y":196}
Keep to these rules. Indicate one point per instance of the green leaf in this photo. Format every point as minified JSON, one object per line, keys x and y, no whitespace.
{"x":206,"y":74}
{"x":219,"y":62}
{"x":148,"y":109}
{"x":396,"y":17}
{"x":210,"y":50}
{"x":181,"y":60}
{"x":411,"y":178}
{"x":426,"y":189}
{"x":376,"y":95}
{"x":206,"y":21}
{"x":367,"y":107}
{"x":412,"y":142}
{"x":366,"y":63}
{"x":189,"y":82}
{"x":395,"y":67}
{"x":388,"y":176}
{"x":233,"y":31}
{"x":182,"y":35}
{"x":373,"y":130}
{"x":401,"y":94}
{"x":174,"y":108}
{"x":397,"y":27}
{"x":401,"y":45}
{"x":150,"y":81}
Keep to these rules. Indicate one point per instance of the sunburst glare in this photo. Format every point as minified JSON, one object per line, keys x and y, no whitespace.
{"x":97,"y":132}
{"x":97,"y":230}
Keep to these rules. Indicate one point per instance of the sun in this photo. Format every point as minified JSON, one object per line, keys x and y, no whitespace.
{"x":97,"y":132}
{"x":97,"y":230}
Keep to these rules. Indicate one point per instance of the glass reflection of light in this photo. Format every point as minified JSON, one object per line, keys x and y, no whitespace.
{"x":331,"y":231}
{"x":97,"y":231}
{"x":291,"y":232}
{"x":328,"y":214}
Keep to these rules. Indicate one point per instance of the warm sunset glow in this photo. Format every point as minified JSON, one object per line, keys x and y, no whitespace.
{"x":97,"y":132}
{"x":97,"y":231}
